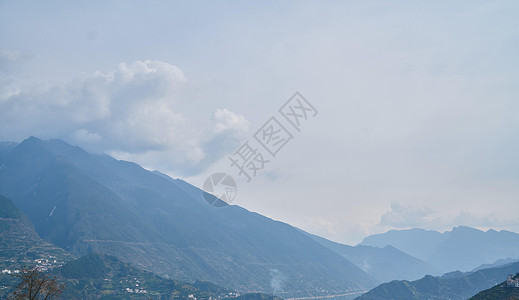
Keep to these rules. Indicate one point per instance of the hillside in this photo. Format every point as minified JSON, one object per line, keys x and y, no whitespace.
{"x":20,"y":243}
{"x":94,"y":203}
{"x":21,"y":246}
{"x":463,"y":248}
{"x":498,"y":292}
{"x":458,"y":287}
{"x":96,"y":275}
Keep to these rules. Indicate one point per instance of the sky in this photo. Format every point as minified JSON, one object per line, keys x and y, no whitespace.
{"x":417,"y":105}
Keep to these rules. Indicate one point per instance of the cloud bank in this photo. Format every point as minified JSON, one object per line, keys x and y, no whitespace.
{"x":409,"y":216}
{"x":133,"y":113}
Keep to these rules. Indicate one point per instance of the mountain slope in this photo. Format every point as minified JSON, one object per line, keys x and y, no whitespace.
{"x":385,"y":264}
{"x":96,"y":275}
{"x":85,"y":203}
{"x":429,"y":287}
{"x":463,"y":248}
{"x":498,"y":292}
{"x":21,"y":246}
{"x":19,"y":243}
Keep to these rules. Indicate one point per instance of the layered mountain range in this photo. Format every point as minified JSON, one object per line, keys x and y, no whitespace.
{"x":463,"y":248}
{"x":87,"y":203}
{"x":62,"y":203}
{"x":455,"y":286}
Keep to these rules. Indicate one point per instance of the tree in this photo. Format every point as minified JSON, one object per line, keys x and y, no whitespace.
{"x":36,"y":285}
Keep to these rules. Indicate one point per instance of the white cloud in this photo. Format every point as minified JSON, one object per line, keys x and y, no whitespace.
{"x":402,"y":215}
{"x":133,"y":112}
{"x":409,"y":216}
{"x":227,"y":120}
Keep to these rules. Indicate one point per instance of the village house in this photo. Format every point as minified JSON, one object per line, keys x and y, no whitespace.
{"x":512,"y":281}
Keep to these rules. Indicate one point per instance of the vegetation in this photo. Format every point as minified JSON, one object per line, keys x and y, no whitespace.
{"x":9,"y":210}
{"x":94,"y":276}
{"x":500,"y":291}
{"x":99,"y":276}
{"x":36,"y":285}
{"x":90,"y":266}
{"x":80,"y":279}
{"x":21,"y":246}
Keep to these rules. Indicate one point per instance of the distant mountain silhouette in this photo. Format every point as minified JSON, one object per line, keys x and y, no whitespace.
{"x":463,"y":248}
{"x":385,"y":264}
{"x":497,"y":263}
{"x":459,"y":287}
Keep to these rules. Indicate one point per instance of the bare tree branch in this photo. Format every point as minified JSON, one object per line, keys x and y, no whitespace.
{"x":36,"y":285}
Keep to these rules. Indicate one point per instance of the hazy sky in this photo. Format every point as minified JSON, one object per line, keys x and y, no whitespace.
{"x":418,"y":122}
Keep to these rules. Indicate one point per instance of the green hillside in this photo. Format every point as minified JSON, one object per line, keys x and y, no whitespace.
{"x":98,"y":276}
{"x":501,"y":291}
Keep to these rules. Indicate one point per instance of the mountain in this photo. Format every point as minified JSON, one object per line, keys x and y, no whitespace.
{"x":463,"y":248}
{"x":497,"y":263}
{"x":385,"y":264}
{"x":91,"y":276}
{"x":6,"y":148}
{"x":87,"y":203}
{"x":97,"y":276}
{"x":445,"y":287}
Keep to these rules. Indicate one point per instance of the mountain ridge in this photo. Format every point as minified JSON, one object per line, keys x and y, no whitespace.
{"x":462,"y":248}
{"x":94,"y":203}
{"x":458,"y":287}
